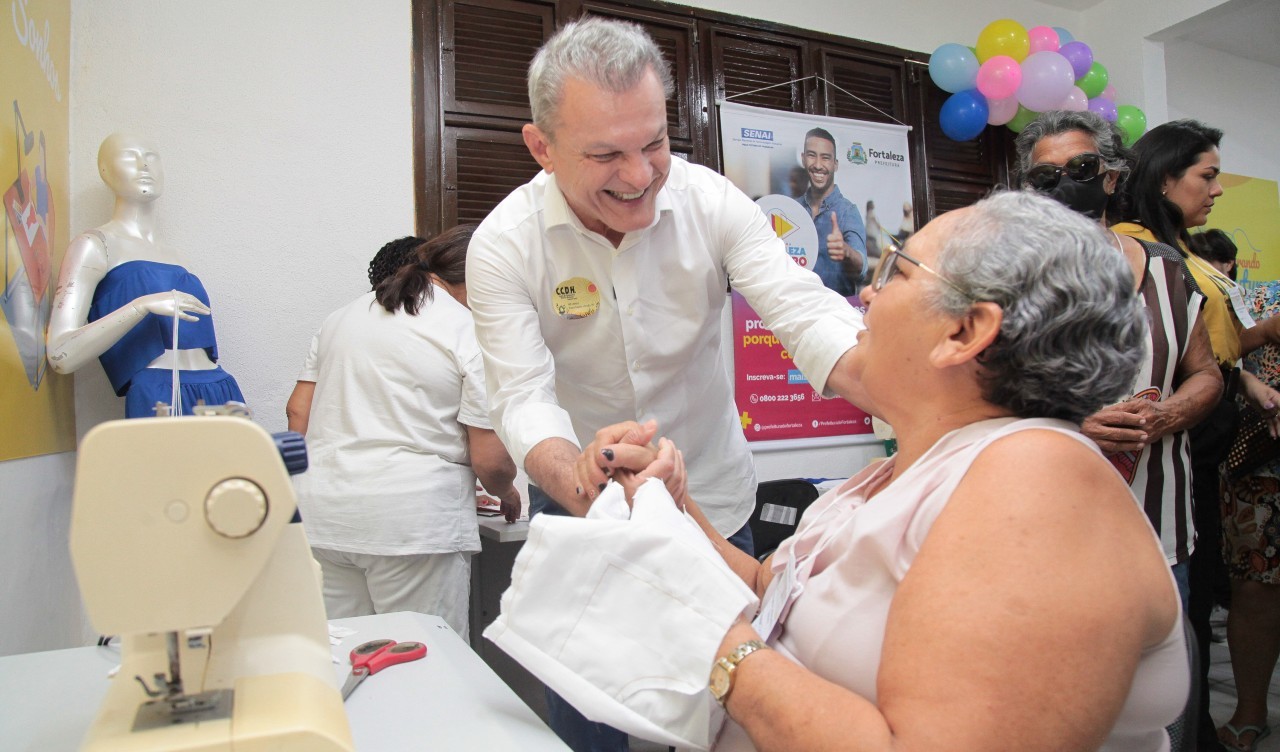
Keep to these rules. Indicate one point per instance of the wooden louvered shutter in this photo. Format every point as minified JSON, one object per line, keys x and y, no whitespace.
{"x":753,"y":69}
{"x":485,"y":48}
{"x":749,"y":69}
{"x":487,"y":165}
{"x":863,"y":88}
{"x":486,"y":61}
{"x":676,"y":37}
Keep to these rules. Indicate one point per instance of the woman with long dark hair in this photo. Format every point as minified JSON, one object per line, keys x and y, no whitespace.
{"x":398,"y":433}
{"x":1172,"y":189}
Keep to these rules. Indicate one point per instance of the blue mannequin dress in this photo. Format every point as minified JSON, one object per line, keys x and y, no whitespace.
{"x":127,"y":360}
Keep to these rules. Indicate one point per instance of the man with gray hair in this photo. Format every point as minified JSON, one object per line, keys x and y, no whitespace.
{"x":599,"y":286}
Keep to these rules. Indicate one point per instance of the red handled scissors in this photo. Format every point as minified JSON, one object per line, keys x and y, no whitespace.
{"x":371,"y":657}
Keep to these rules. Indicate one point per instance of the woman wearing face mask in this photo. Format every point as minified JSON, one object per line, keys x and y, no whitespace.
{"x":1172,"y":189}
{"x":1077,"y":158}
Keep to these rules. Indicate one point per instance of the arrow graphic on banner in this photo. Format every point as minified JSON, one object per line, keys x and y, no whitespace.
{"x":781,"y":225}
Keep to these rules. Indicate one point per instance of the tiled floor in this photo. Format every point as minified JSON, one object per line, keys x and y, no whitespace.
{"x":1222,"y":691}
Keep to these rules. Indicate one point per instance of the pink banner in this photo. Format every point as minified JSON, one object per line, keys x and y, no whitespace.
{"x":775,"y":400}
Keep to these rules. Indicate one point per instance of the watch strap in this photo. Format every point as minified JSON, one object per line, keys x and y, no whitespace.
{"x":729,"y":663}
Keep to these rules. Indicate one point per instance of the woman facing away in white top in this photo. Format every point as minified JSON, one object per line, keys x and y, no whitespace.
{"x":398,"y":432}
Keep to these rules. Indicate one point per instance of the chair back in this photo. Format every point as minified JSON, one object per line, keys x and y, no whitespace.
{"x":779,"y":505}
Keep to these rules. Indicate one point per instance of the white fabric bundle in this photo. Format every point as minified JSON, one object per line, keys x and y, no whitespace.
{"x":622,"y":617}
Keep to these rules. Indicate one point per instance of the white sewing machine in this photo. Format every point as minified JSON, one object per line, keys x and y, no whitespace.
{"x":181,"y":542}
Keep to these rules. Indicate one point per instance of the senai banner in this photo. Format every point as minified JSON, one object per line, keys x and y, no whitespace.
{"x":834,"y":190}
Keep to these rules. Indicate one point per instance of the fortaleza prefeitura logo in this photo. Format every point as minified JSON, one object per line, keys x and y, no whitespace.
{"x":860,"y":156}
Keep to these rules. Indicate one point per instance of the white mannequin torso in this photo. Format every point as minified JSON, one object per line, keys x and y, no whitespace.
{"x":132,"y":170}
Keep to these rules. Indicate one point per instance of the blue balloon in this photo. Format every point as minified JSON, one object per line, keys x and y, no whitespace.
{"x":964,"y":115}
{"x":1064,"y":36}
{"x":953,"y":67}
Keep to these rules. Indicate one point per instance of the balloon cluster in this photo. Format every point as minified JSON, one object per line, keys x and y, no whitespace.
{"x":1014,"y":73}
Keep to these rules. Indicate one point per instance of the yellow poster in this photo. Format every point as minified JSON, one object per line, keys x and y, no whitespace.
{"x":1249,"y":211}
{"x":36,"y":404}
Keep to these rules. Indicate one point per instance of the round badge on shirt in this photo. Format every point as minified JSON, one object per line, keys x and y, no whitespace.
{"x":576,"y":298}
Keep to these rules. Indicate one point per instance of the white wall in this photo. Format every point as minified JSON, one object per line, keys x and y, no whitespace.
{"x":1229,"y":93}
{"x":39,"y":602}
{"x":285,"y":130}
{"x":911,"y":24}
{"x":286,"y":134}
{"x":1128,"y":36}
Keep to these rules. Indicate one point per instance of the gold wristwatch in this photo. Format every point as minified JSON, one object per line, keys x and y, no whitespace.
{"x":721,"y":682}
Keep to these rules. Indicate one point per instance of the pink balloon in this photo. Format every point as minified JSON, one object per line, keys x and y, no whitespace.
{"x":1104,"y":108}
{"x":1043,"y":39}
{"x":1109,"y":93}
{"x":1001,"y":111}
{"x":1075,"y":101}
{"x":999,"y":77}
{"x":1046,"y":79}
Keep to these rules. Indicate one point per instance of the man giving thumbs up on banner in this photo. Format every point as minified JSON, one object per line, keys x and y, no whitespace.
{"x":842,"y":245}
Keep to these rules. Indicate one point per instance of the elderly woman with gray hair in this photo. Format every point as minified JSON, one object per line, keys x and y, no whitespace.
{"x":951,"y":597}
{"x":1077,"y":158}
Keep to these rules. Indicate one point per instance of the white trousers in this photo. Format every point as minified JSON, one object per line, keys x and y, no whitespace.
{"x":363,"y":584}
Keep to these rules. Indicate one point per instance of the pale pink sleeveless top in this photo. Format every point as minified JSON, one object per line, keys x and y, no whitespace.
{"x":851,"y":555}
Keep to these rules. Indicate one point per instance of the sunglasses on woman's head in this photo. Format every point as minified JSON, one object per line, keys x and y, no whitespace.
{"x":1081,"y":168}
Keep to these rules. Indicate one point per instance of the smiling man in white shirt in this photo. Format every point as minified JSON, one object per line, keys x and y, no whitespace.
{"x":598,"y":287}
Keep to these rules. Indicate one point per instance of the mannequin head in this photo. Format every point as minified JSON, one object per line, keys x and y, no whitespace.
{"x":131,"y":167}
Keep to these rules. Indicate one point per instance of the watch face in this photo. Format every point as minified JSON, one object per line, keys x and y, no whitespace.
{"x":719,"y":681}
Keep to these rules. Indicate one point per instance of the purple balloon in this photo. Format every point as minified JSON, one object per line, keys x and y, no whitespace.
{"x":1103,"y":108}
{"x":1079,"y":55}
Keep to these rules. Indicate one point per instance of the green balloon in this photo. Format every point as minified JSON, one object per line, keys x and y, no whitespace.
{"x":1094,"y":80}
{"x":1132,"y":123}
{"x":1022,"y":119}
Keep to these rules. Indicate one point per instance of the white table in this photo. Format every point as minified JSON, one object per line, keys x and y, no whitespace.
{"x":449,"y":700}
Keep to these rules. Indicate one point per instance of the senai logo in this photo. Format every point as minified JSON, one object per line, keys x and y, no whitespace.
{"x":756,"y":134}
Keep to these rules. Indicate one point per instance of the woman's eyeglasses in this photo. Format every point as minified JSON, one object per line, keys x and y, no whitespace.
{"x":887,"y":269}
{"x":1081,"y":168}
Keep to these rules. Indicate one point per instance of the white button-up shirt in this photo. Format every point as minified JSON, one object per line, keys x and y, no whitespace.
{"x":577,"y":334}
